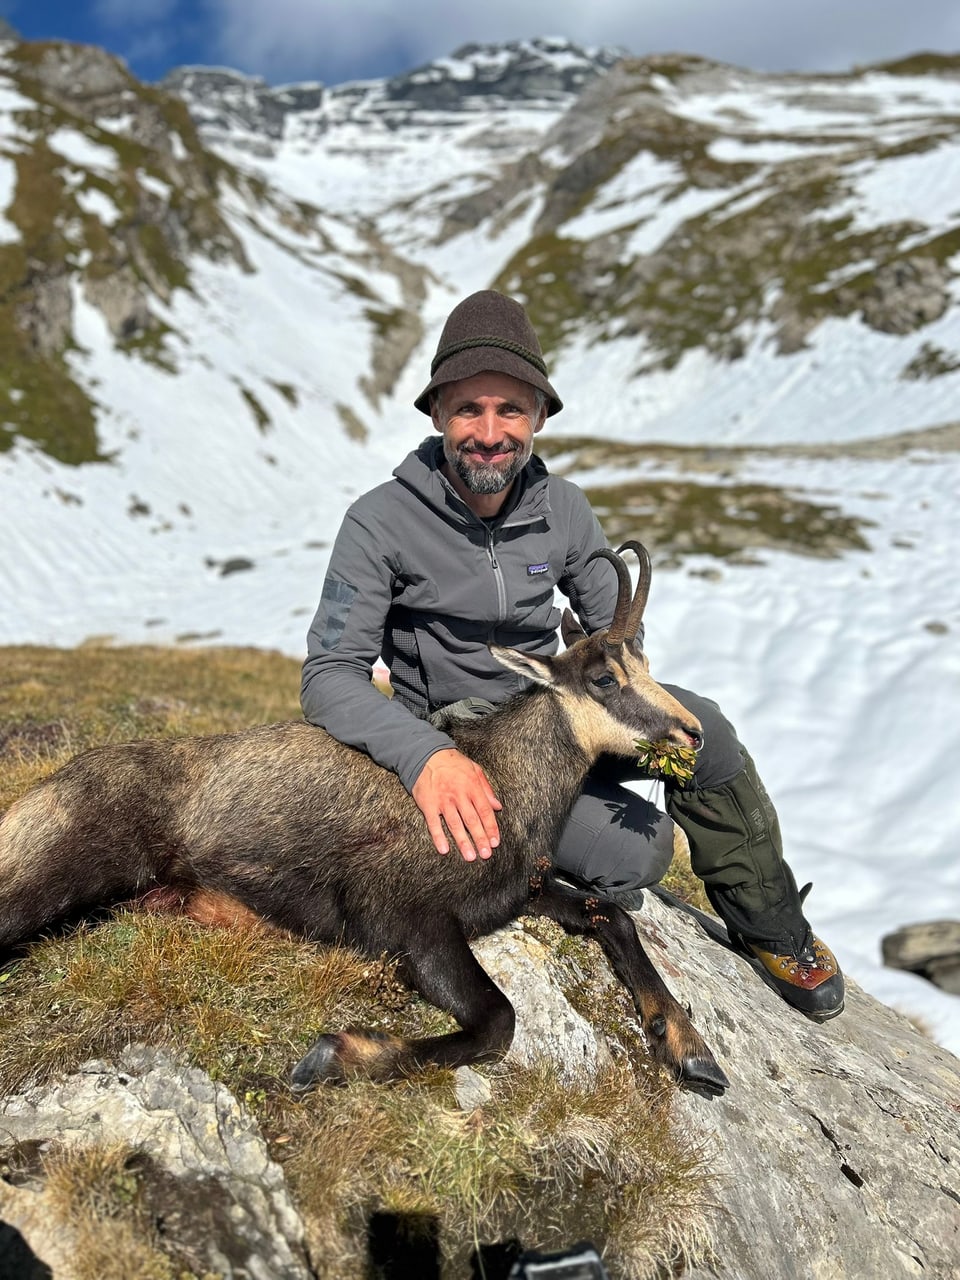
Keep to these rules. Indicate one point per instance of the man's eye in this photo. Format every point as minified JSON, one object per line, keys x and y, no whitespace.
{"x":603,"y":681}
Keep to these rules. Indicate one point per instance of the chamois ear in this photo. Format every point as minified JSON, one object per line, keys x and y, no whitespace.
{"x":540,"y":670}
{"x":570,"y":629}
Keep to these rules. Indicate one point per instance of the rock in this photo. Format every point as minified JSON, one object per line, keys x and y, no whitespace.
{"x":80,"y":72}
{"x":210,"y":1179}
{"x":229,"y":100}
{"x":547,"y":1024}
{"x":472,"y":1089}
{"x":837,"y":1147}
{"x":552,"y":69}
{"x":945,"y":974}
{"x":119,"y":297}
{"x":46,"y":316}
{"x":915,"y":945}
{"x":904,"y":295}
{"x":932,"y":950}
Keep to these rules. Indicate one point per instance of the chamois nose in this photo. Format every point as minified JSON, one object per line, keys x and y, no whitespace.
{"x":695,"y":736}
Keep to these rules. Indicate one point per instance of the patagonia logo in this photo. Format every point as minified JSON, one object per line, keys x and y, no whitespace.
{"x":534,"y":569}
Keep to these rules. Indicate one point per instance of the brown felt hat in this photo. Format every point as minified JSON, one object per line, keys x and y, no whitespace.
{"x":488,"y":332}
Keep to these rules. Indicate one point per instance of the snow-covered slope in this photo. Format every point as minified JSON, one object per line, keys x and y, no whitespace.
{"x":747,"y":288}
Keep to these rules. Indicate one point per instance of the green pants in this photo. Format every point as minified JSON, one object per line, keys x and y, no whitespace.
{"x":737,"y":851}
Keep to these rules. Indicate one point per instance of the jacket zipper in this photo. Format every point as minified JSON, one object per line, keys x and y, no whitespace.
{"x":498,"y":578}
{"x":492,"y":555}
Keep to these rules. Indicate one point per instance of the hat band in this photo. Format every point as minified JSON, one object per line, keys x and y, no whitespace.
{"x":504,"y":344}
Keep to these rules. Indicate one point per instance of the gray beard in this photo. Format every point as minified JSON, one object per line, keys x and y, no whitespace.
{"x":487,"y":478}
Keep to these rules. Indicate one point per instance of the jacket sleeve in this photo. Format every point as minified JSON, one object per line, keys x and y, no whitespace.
{"x":344,"y":641}
{"x":590,"y":588}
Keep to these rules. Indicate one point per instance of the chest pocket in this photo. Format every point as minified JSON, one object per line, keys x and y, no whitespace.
{"x":532,"y":568}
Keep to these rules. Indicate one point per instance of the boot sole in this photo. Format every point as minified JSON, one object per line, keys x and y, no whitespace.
{"x":819,"y":1017}
{"x":781,"y":989}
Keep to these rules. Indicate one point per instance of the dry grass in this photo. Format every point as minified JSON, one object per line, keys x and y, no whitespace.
{"x":96,"y":1197}
{"x":540,"y":1162}
{"x":55,"y":702}
{"x":95,"y":1208}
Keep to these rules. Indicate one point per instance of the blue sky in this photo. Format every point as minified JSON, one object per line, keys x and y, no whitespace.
{"x":336,"y":40}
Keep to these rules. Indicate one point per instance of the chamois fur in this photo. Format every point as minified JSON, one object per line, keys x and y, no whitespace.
{"x":312,"y":836}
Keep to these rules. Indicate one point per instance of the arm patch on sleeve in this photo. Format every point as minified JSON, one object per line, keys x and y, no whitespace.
{"x":335,"y":601}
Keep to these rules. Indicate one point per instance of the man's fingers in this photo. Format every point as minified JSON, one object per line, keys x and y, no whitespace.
{"x":454,"y":792}
{"x":469,"y":831}
{"x":489,"y":791}
{"x":487,"y":815}
{"x":437,"y":833}
{"x":481,"y":817}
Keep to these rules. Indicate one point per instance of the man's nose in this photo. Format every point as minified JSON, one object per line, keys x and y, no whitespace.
{"x":488,"y":427}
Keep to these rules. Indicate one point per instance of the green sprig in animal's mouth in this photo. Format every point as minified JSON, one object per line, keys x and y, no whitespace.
{"x":667,"y":760}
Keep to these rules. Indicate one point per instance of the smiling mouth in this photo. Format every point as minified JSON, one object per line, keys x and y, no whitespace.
{"x":489,"y":455}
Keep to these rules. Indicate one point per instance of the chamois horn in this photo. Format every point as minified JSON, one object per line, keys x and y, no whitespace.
{"x":643,"y":586}
{"x":628,"y":614}
{"x":618,"y":627}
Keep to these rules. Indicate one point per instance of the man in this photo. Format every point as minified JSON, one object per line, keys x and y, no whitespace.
{"x":463,"y":548}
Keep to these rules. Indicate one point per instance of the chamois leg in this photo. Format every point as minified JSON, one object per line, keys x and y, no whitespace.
{"x":450,"y":977}
{"x":672,"y":1039}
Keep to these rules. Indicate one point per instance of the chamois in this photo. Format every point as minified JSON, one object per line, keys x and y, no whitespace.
{"x":286,"y":824}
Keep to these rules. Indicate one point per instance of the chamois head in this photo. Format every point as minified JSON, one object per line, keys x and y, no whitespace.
{"x":603,"y":680}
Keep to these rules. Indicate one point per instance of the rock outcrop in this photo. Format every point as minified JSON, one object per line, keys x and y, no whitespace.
{"x":837,"y":1147}
{"x":204,"y":1165}
{"x":836,"y":1151}
{"x":932,"y":950}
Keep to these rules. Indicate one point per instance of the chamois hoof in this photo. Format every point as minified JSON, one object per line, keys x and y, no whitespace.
{"x":321,"y":1065}
{"x":703,"y":1075}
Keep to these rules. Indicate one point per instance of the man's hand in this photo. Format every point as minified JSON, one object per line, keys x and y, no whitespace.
{"x":455,"y":789}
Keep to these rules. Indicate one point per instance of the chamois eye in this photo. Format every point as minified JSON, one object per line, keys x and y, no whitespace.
{"x":603,"y":681}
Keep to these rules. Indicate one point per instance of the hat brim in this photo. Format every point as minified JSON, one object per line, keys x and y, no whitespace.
{"x":467,"y":364}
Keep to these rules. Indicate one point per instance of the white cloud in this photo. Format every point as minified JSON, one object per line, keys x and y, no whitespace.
{"x":334,"y":38}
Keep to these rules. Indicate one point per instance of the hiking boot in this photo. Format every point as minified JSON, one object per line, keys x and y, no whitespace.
{"x":810,"y":981}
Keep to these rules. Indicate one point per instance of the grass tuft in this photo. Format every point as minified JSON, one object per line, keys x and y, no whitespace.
{"x":96,"y":1202}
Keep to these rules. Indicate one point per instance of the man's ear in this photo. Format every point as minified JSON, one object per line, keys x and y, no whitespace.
{"x":540,"y":670}
{"x":435,"y":395}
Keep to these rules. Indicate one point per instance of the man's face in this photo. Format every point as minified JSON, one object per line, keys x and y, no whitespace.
{"x":488,"y":424}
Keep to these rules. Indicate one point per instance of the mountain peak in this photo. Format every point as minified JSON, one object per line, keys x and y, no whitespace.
{"x":549,"y":68}
{"x":225,"y":100}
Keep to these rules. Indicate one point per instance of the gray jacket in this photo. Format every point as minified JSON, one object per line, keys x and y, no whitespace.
{"x":416,"y":577}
